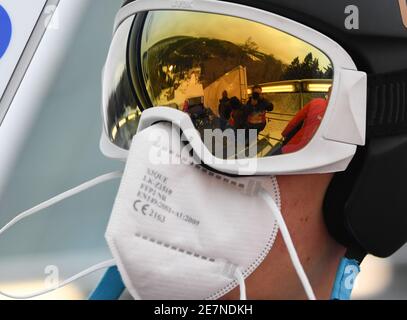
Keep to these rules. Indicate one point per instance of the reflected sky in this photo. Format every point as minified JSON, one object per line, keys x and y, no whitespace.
{"x":165,"y":24}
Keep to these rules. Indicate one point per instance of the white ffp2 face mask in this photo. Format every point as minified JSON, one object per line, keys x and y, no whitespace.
{"x":179,"y":231}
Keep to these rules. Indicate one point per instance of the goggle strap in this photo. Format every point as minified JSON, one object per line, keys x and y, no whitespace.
{"x":387,"y":104}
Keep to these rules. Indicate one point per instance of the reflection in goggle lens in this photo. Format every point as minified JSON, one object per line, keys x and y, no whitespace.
{"x":250,"y":90}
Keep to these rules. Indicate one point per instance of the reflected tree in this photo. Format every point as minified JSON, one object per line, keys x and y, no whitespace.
{"x":309,"y":68}
{"x":173,"y":60}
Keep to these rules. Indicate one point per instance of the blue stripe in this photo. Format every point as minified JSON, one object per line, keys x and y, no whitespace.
{"x":345,"y":279}
{"x":5,"y":31}
{"x":111,"y":286}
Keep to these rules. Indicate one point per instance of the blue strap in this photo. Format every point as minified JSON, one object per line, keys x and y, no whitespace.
{"x":110,"y":287}
{"x":345,"y":279}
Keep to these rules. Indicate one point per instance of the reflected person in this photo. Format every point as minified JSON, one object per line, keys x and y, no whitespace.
{"x":256,"y":109}
{"x":224,"y":110}
{"x":304,"y":125}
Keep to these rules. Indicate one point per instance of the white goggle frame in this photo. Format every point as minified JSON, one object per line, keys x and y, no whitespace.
{"x":343,"y":127}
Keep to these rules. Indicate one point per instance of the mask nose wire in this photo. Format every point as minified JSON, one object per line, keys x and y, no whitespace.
{"x":67,"y":194}
{"x":288,"y":242}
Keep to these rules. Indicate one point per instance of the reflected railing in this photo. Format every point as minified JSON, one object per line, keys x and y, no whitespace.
{"x":288,"y":97}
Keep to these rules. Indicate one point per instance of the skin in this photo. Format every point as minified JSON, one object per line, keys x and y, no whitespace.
{"x":259,"y":91}
{"x":302,"y":199}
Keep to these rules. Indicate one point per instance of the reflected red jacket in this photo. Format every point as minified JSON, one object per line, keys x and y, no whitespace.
{"x":312,"y":115}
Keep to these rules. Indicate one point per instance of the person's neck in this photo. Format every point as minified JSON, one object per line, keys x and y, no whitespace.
{"x":319,"y":253}
{"x":302,"y":201}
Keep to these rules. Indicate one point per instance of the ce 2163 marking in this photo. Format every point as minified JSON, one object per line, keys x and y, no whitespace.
{"x":146,"y":210}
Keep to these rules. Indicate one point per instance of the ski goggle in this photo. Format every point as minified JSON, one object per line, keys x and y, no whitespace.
{"x":239,"y":82}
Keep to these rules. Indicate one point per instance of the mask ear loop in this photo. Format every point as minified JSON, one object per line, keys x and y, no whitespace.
{"x":62,"y":196}
{"x":240,"y":279}
{"x":84,"y":273}
{"x":289,"y":243}
{"x":49,"y":203}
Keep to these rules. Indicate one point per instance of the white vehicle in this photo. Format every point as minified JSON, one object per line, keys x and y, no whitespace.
{"x":27,"y":30}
